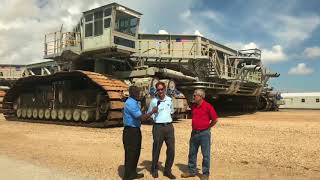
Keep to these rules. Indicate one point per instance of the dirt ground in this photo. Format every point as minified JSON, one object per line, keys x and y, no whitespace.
{"x":264,"y":145}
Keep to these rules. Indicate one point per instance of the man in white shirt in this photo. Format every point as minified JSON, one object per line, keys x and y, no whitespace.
{"x":163,"y":130}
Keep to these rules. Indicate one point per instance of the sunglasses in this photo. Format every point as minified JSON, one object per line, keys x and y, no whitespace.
{"x":160,"y":89}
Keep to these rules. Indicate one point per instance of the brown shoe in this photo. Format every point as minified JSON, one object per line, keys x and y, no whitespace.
{"x":204,"y":177}
{"x":187,"y":175}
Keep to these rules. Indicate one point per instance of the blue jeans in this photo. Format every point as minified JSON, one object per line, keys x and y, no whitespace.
{"x":203,"y":139}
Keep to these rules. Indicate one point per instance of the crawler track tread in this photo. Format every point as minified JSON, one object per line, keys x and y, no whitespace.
{"x":113,"y":88}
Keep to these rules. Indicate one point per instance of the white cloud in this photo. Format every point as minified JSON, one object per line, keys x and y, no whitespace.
{"x":251,"y":45}
{"x":68,"y":22}
{"x":212,"y":15}
{"x":11,"y":10}
{"x":11,"y":25}
{"x":197,"y":32}
{"x":274,"y":55}
{"x":94,"y":5}
{"x":292,"y":29}
{"x":186,"y":14}
{"x":198,"y":21}
{"x":312,"y":52}
{"x":268,"y":56}
{"x":242,"y":46}
{"x":74,"y":10}
{"x":300,"y":69}
{"x":235,"y":45}
{"x":161,"y":31}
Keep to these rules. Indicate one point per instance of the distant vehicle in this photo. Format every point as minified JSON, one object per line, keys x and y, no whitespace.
{"x":301,"y":100}
{"x":104,"y":54}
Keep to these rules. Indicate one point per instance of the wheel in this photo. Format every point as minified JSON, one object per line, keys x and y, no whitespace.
{"x":29,"y":113}
{"x":86,"y":115}
{"x":19,"y":112}
{"x":35,"y":113}
{"x":54,"y":114}
{"x":61,"y":114}
{"x":24,"y":113}
{"x":68,"y":115}
{"x":76,"y":115}
{"x":47,"y":114}
{"x":40,"y":113}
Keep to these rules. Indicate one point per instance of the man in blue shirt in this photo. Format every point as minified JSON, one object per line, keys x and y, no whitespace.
{"x":132,"y":117}
{"x":162,"y":131}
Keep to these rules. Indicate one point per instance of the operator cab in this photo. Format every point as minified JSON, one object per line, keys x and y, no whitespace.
{"x":110,"y":28}
{"x":106,"y":31}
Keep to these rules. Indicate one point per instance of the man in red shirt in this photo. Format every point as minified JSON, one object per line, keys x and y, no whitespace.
{"x":203,"y":118}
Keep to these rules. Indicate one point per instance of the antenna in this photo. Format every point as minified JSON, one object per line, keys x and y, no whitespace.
{"x":61,"y":36}
{"x":61,"y":28}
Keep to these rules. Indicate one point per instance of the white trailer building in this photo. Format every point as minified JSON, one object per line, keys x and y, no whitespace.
{"x":301,"y":100}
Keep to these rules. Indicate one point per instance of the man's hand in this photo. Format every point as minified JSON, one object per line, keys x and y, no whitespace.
{"x":149,"y":114}
{"x":154,"y":110}
{"x":212,"y":123}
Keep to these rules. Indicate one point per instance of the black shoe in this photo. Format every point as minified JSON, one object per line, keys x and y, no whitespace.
{"x":138,"y":176}
{"x":169,"y":175}
{"x":155,"y":174}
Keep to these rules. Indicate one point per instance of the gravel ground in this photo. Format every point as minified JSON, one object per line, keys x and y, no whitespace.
{"x":17,"y":169}
{"x":264,"y":145}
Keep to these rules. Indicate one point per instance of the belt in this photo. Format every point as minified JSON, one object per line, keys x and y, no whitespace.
{"x":131,"y":127}
{"x":163,"y":124}
{"x":199,"y":131}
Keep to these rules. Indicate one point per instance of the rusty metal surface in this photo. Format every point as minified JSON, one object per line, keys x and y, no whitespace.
{"x":116,"y":105}
{"x":115,"y":115}
{"x":104,"y":82}
{"x":115,"y":95}
{"x":2,"y":94}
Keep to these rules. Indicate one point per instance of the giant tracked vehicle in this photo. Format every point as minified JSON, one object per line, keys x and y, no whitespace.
{"x":104,"y":54}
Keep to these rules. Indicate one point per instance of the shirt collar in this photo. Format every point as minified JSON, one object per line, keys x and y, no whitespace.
{"x":133,"y":99}
{"x":164,"y":99}
{"x":202,"y":103}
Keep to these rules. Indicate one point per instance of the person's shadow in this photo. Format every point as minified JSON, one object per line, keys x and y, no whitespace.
{"x":147,"y":165}
{"x":184,"y":168}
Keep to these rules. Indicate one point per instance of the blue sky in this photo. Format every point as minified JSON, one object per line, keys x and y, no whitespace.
{"x":287,"y":31}
{"x":294,"y":25}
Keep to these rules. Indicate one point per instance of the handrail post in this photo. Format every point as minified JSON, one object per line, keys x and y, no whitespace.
{"x":45,"y":45}
{"x":55,"y":42}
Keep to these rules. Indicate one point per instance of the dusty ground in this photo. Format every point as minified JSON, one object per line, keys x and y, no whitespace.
{"x":264,"y":145}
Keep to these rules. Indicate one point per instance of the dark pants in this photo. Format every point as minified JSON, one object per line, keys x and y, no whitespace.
{"x":163,"y":133}
{"x":203,"y":139}
{"x":132,"y":145}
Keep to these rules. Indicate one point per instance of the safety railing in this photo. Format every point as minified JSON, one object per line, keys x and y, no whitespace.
{"x":250,"y":53}
{"x":254,"y":77}
{"x":167,"y":48}
{"x":230,"y":72}
{"x":54,"y":43}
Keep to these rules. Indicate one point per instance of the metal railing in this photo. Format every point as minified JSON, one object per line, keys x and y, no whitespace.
{"x":250,"y":53}
{"x":231,"y":72}
{"x":188,"y":49}
{"x":55,"y":42}
{"x":152,"y":48}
